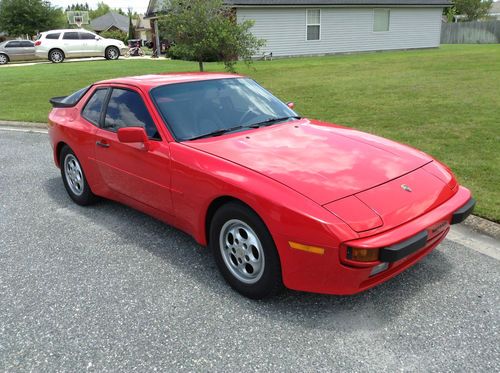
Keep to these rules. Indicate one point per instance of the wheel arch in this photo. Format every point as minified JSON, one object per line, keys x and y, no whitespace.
{"x":215,"y":205}
{"x":57,"y":152}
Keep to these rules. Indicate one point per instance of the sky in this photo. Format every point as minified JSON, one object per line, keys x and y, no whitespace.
{"x":138,"y":6}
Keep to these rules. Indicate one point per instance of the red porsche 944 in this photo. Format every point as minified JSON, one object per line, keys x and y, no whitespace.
{"x":281,"y":200}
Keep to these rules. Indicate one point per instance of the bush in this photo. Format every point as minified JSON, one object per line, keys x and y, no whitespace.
{"x":115,"y":34}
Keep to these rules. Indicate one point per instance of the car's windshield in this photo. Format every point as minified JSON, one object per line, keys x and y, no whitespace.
{"x":213,"y":107}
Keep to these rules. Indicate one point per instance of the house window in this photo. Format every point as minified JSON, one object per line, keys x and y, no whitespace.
{"x":313,"y":24}
{"x":381,"y":20}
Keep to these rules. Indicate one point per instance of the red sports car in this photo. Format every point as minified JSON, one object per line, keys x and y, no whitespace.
{"x":281,"y":200}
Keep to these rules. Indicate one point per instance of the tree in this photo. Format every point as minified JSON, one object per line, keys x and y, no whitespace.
{"x":131,"y":28}
{"x":472,"y":9}
{"x":27,"y":17}
{"x":206,"y":30}
{"x":102,"y":9}
{"x":78,"y":6}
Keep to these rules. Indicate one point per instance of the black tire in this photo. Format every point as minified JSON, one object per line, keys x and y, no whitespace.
{"x":270,"y":281}
{"x":56,"y":56}
{"x":112,"y":53}
{"x":82,"y":195}
{"x":4,"y":59}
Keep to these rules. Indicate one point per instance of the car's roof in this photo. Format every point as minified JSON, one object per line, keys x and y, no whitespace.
{"x":68,"y":30}
{"x":155,"y":80}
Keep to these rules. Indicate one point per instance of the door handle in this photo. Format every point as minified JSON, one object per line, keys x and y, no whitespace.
{"x":102,"y":144}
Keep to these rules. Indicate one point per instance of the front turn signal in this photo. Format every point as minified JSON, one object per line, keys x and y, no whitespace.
{"x":310,"y":249}
{"x":362,"y":255}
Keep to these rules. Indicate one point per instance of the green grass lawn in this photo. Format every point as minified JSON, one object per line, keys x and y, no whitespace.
{"x":444,"y":101}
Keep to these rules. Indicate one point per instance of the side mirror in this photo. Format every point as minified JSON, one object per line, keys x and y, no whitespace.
{"x":291,"y":105}
{"x":130,"y":135}
{"x":97,"y":37}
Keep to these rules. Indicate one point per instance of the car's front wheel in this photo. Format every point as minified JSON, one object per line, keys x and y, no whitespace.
{"x":3,"y":59}
{"x":56,"y":56}
{"x":245,"y":252}
{"x":112,"y":53}
{"x":74,"y":178}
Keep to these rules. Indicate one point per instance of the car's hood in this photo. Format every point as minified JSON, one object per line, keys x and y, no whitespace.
{"x":115,"y":41}
{"x":319,"y":160}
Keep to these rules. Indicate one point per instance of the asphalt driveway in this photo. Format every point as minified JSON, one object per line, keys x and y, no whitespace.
{"x":107,"y":288}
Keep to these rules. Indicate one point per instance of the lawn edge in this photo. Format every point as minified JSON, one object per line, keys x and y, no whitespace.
{"x":22,"y":125}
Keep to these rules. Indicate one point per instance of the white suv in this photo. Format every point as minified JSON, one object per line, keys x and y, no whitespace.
{"x":56,"y":45}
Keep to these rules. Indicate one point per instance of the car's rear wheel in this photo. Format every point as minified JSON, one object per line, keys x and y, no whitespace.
{"x":56,"y":56}
{"x":3,"y":59}
{"x":74,"y":178}
{"x":245,"y":252}
{"x":112,"y":53}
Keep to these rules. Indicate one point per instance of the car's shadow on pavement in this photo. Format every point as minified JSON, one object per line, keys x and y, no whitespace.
{"x":310,"y":310}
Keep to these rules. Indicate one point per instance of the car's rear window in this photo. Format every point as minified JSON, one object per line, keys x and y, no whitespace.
{"x":53,"y":36}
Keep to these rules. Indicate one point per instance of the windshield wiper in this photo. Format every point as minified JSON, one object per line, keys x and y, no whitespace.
{"x":271,"y":121}
{"x":218,"y":132}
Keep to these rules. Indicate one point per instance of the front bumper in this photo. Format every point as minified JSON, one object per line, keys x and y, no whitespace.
{"x":401,"y":247}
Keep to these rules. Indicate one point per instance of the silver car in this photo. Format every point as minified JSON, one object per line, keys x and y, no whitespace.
{"x":17,"y":50}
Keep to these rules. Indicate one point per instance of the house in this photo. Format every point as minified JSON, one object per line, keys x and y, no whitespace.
{"x":111,"y":21}
{"x":319,"y":27}
{"x":494,"y":13}
{"x":142,"y":28}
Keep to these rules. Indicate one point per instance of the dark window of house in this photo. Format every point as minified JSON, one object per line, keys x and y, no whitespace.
{"x":93,"y":109}
{"x":313,"y":24}
{"x":127,"y":109}
{"x":71,"y":36}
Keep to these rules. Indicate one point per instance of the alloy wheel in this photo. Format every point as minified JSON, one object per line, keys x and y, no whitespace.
{"x":242,"y":251}
{"x":74,"y":174}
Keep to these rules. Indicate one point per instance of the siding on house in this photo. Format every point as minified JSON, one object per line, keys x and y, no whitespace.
{"x":343,"y":29}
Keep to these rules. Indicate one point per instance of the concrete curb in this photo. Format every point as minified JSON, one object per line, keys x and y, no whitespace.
{"x":22,"y":125}
{"x":484,"y":226}
{"x":475,"y":223}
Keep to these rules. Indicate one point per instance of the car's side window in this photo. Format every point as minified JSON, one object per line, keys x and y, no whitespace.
{"x":27,"y":44}
{"x":93,"y":109}
{"x":87,"y":36}
{"x":71,"y":36}
{"x":13,"y":44}
{"x":53,"y":36}
{"x":127,"y":109}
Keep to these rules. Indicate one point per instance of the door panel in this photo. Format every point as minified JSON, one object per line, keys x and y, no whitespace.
{"x":129,"y":169}
{"x":89,"y":44}
{"x":72,"y":45}
{"x":134,"y":172}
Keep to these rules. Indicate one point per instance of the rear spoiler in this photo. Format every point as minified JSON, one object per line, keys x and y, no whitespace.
{"x":57,"y":102}
{"x":69,"y":101}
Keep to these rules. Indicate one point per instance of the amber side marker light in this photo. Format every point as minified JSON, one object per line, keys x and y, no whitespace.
{"x":310,"y":249}
{"x":362,"y":255}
